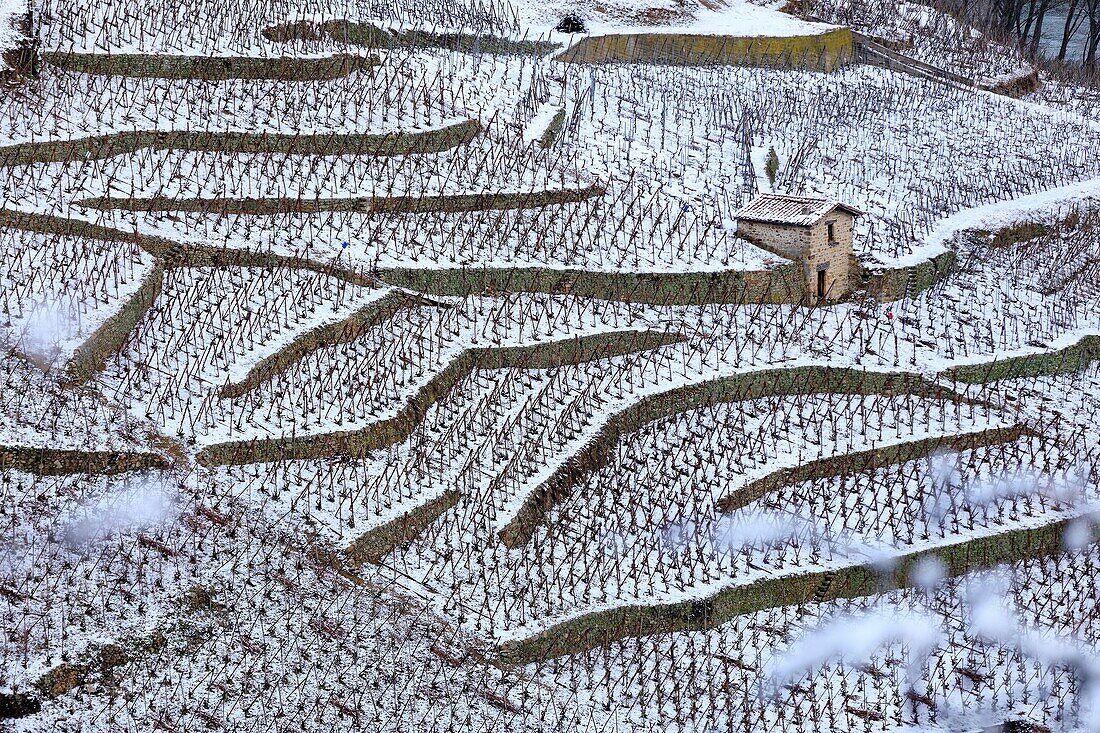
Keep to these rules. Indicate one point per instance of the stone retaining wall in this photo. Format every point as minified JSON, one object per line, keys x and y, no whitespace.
{"x":601,"y":628}
{"x":174,"y":254}
{"x":900,"y":282}
{"x":22,"y":58}
{"x":397,"y":428}
{"x":168,"y":66}
{"x":1017,"y":86}
{"x":737,"y":388}
{"x":373,"y":546}
{"x":550,"y":134}
{"x":90,"y":358}
{"x":1069,"y":360}
{"x":63,"y":462}
{"x":122,"y":143}
{"x":372,"y":36}
{"x":343,"y":332}
{"x":488,"y":201}
{"x":824,"y":51}
{"x":779,"y":285}
{"x":877,"y":52}
{"x":869,"y":460}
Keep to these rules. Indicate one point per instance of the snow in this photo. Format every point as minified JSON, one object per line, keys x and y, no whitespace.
{"x":1042,"y":206}
{"x":856,"y":639}
{"x":59,"y":290}
{"x":927,"y":35}
{"x":540,"y":122}
{"x":239,"y":569}
{"x":10,"y":14}
{"x":736,"y":18}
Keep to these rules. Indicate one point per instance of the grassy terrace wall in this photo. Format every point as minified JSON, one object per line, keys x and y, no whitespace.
{"x":869,"y":460}
{"x":62,"y":462}
{"x":377,"y":204}
{"x":345,"y":331}
{"x":603,"y":627}
{"x":381,"y":541}
{"x":824,"y":51}
{"x":1069,"y":360}
{"x":738,"y":388}
{"x":167,"y":66}
{"x":899,"y":282}
{"x":121,"y":143}
{"x":400,"y":426}
{"x":372,"y":36}
{"x":780,"y":285}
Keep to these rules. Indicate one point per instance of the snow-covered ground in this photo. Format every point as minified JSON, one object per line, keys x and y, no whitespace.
{"x":928,"y":35}
{"x":219,"y":596}
{"x":11,"y":13}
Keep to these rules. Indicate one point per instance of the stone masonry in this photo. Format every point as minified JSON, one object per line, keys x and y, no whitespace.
{"x":814,"y":233}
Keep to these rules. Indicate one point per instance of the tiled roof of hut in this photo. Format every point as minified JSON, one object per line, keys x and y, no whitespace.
{"x":774,"y":208}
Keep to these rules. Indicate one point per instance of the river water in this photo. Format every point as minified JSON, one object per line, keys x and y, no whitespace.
{"x":1052,"y":36}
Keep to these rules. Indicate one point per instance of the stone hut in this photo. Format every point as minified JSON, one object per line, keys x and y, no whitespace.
{"x":815,"y":232}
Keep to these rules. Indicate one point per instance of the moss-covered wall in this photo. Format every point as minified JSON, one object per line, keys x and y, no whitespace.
{"x":779,"y":285}
{"x":741,"y":387}
{"x":603,"y":627}
{"x":824,"y":51}
{"x":62,"y":462}
{"x":122,"y":143}
{"x":168,"y":66}
{"x":395,"y":429}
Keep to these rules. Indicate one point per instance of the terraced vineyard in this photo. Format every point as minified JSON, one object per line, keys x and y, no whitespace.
{"x":398,"y":366}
